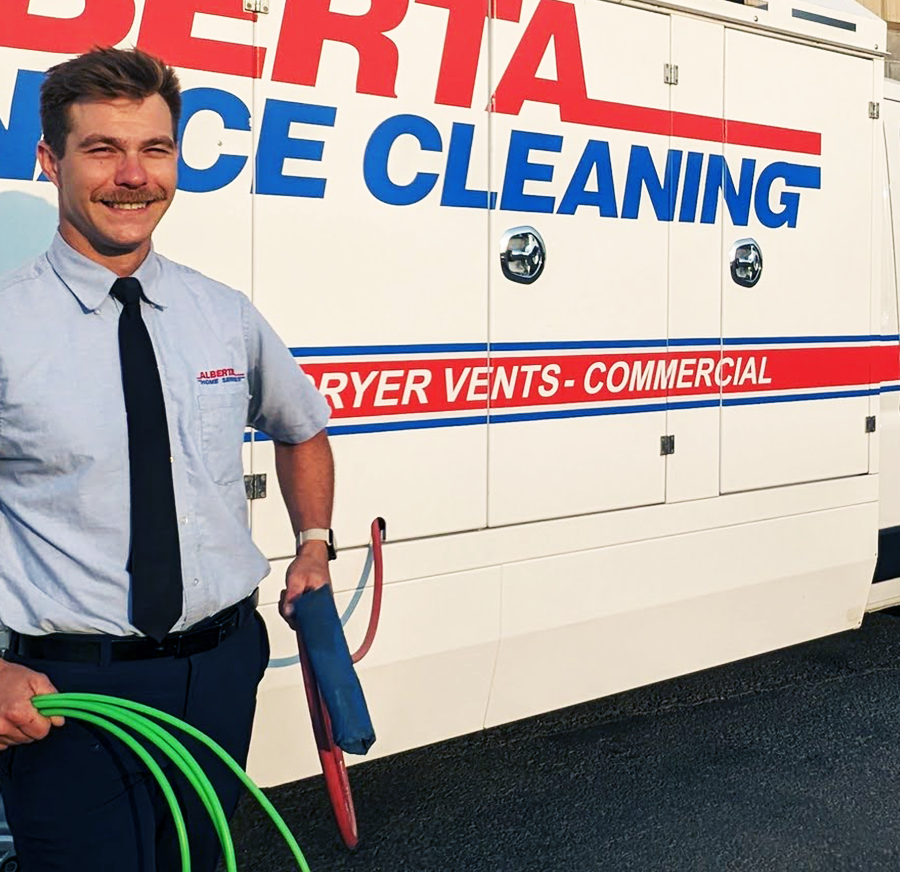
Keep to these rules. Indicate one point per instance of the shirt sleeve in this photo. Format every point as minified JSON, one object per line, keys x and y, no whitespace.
{"x":284,"y":403}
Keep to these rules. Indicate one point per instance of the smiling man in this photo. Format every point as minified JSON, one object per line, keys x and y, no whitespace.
{"x":126,"y":565}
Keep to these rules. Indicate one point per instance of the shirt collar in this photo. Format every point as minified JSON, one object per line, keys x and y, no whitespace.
{"x":91,"y":283}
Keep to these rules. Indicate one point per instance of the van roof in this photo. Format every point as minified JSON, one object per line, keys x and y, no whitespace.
{"x":834,"y":22}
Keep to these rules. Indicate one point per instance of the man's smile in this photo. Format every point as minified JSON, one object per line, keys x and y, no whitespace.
{"x":129,"y":207}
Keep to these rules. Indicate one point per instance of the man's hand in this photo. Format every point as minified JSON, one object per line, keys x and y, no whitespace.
{"x":20,"y":721}
{"x":308,"y":571}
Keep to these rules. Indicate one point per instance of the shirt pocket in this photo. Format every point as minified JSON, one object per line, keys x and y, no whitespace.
{"x":223,"y":419}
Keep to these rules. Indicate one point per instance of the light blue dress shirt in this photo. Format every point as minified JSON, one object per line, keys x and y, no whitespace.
{"x":64,"y":483}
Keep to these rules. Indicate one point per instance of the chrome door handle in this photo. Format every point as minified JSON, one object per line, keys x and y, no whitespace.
{"x":523,"y":255}
{"x":746,"y":262}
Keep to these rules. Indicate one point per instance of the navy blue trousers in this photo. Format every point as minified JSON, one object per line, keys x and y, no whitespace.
{"x":79,"y":799}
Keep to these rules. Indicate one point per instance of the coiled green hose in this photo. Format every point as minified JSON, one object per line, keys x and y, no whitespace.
{"x":103,"y":711}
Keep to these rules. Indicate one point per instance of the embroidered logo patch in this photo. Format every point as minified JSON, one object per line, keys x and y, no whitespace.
{"x":214,"y":376}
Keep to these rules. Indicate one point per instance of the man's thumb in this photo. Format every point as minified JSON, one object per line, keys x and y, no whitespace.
{"x":42,"y":685}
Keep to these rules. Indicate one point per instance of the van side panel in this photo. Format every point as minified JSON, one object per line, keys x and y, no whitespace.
{"x":807,"y":321}
{"x":695,"y":271}
{"x":603,"y":293}
{"x":886,"y":588}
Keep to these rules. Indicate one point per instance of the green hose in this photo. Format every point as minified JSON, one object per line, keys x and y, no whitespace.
{"x":180,"y":756}
{"x":151,"y":764}
{"x":102,"y":710}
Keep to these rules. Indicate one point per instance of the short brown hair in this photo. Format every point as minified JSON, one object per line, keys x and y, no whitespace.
{"x":103,"y":74}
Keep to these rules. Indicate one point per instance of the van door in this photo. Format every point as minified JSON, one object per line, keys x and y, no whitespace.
{"x":888,"y":567}
{"x":579,"y":142}
{"x":797,"y":335}
{"x":372,"y":279}
{"x":695,"y":281}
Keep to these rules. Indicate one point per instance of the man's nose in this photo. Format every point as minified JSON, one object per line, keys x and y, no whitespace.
{"x":130,"y":172}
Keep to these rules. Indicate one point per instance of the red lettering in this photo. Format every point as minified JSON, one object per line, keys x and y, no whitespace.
{"x":103,"y":22}
{"x":552,"y":20}
{"x":166,"y":32}
{"x":462,"y":45}
{"x":309,"y":24}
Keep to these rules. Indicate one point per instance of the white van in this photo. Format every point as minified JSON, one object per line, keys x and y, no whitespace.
{"x":599,"y":292}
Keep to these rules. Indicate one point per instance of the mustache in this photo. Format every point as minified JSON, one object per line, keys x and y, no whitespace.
{"x":149,"y":195}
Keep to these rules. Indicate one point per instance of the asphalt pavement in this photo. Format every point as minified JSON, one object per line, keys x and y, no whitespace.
{"x":781,"y":763}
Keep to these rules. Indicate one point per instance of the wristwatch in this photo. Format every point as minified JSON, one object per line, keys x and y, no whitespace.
{"x":318,"y":534}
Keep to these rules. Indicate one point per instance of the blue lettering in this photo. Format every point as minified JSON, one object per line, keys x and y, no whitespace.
{"x":276,"y":145}
{"x":718,"y":178}
{"x":592,"y":184}
{"x":235,"y":116}
{"x":459,"y":156}
{"x":18,"y":141}
{"x":690,"y":191}
{"x":595,"y":157}
{"x":793,"y":174}
{"x":642,"y":175}
{"x":520,"y":170}
{"x":378,"y":150}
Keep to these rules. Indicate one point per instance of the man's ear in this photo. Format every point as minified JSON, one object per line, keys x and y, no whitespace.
{"x":49,"y":162}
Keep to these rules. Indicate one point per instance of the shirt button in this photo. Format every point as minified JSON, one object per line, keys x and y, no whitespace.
{"x":196,"y":582}
{"x":184,"y":520}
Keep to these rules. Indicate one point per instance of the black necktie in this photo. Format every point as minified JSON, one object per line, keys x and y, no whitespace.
{"x":155,"y":560}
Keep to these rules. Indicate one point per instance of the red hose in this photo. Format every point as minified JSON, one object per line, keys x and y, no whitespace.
{"x":337,"y":782}
{"x":331,"y":759}
{"x":378,"y":530}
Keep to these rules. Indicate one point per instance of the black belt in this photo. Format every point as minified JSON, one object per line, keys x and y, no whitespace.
{"x":83,"y":648}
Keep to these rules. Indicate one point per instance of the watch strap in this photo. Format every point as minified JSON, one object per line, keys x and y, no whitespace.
{"x":318,"y":534}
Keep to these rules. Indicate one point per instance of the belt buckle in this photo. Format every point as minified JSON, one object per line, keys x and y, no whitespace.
{"x":199,"y":641}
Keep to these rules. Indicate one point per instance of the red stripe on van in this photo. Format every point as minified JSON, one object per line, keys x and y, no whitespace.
{"x":373,"y":388}
{"x":640,"y":119}
{"x":781,"y":138}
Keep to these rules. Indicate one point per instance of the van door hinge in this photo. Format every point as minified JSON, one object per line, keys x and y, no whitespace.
{"x":255,"y":486}
{"x":666,"y":445}
{"x":670,"y":74}
{"x":260,"y":6}
{"x":874,"y":110}
{"x":870,"y":424}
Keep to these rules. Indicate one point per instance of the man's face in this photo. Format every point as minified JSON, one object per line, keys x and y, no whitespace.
{"x":118,"y":175}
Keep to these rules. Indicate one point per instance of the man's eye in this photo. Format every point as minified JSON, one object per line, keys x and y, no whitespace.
{"x":100,"y":149}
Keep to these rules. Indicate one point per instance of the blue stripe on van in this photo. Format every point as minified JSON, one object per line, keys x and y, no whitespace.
{"x":797,"y":398}
{"x":574,"y":345}
{"x":577,"y":344}
{"x":798,"y":340}
{"x":351,"y":350}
